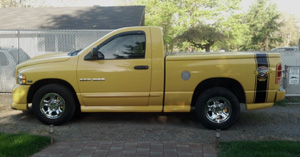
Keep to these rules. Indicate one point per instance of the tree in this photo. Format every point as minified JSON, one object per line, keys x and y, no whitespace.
{"x":201,"y":36}
{"x":10,"y":3}
{"x":161,"y":13}
{"x":177,"y":16}
{"x":264,"y":22}
{"x":289,"y":30}
{"x":236,"y":31}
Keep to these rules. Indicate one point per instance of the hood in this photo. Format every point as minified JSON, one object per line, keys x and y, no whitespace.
{"x":47,"y":58}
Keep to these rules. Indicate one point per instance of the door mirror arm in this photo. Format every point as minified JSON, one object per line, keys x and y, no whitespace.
{"x":95,"y":54}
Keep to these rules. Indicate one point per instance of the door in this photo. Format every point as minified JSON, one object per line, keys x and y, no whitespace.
{"x":121,"y":77}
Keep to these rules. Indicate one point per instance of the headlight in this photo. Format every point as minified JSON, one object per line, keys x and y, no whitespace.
{"x":21,"y":79}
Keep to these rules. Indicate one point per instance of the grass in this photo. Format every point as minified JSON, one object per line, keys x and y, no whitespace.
{"x":288,"y":101}
{"x":260,"y":149}
{"x":21,"y":145}
{"x":281,"y":103}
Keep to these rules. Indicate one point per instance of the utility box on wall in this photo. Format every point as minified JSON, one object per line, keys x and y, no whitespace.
{"x":292,"y":83}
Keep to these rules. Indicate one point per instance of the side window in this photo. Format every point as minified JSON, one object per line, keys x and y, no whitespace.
{"x":128,"y":46}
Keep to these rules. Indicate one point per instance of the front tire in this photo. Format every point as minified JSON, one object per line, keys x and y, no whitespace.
{"x":217,"y":108}
{"x":53,"y":104}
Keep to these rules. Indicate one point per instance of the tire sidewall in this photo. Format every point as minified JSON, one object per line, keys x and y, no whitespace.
{"x":217,"y":92}
{"x":61,"y":91}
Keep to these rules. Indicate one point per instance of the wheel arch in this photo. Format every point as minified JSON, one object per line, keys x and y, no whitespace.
{"x":37,"y":85}
{"x":231,"y":84}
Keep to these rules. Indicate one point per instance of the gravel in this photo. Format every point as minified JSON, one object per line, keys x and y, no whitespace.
{"x":276,"y":123}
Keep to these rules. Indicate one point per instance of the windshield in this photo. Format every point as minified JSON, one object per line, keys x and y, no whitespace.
{"x":74,"y":53}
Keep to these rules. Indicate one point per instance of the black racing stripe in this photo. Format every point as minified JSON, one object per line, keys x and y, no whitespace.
{"x":261,"y":86}
{"x":262,"y":60}
{"x":261,"y":91}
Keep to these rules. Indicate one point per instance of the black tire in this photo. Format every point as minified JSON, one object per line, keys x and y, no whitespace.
{"x":217,"y":108}
{"x":54,"y":104}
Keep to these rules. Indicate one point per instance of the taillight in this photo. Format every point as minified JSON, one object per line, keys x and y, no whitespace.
{"x":278,"y":73}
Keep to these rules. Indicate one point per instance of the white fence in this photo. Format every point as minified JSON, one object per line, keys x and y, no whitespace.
{"x":291,"y":65}
{"x":17,"y":46}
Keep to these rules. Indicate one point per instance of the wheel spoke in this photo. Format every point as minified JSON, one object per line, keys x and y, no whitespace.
{"x":218,"y":109}
{"x":52,"y":105}
{"x":210,"y":108}
{"x":216,"y":103}
{"x":214,"y":116}
{"x":49,"y":111}
{"x":46,"y":104}
{"x":224,"y":115}
{"x":57,"y":112}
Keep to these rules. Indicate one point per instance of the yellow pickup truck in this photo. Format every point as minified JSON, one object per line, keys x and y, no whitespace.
{"x":128,"y":71}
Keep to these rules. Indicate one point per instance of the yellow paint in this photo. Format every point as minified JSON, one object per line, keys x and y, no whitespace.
{"x":115,"y":86}
{"x":259,"y":106}
{"x":120,"y":108}
{"x":177,"y":108}
{"x":280,"y":95}
{"x":20,"y":97}
{"x":178,"y":101}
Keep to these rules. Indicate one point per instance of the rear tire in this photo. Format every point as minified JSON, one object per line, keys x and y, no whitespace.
{"x":54,"y":104}
{"x":217,"y":108}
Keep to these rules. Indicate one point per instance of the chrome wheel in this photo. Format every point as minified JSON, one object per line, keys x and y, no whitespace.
{"x":52,"y":105}
{"x":218,"y":109}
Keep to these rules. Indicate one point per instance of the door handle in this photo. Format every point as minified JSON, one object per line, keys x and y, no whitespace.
{"x":141,"y":67}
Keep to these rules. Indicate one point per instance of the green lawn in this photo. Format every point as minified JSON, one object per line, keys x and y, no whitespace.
{"x":260,"y":149}
{"x":21,"y":145}
{"x":288,"y":101}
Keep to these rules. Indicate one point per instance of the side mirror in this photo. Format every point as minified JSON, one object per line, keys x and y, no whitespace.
{"x":96,"y":54}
